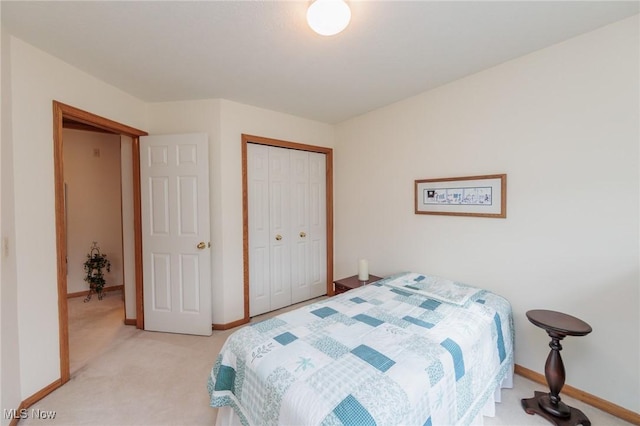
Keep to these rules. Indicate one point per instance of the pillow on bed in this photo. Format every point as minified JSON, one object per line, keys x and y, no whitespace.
{"x":434,"y":287}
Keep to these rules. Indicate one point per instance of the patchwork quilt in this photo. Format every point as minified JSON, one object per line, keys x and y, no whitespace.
{"x":411,"y":349}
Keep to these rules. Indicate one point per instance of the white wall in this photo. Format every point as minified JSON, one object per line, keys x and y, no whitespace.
{"x":225,"y":121}
{"x":563,"y":123}
{"x":10,"y":388}
{"x":36,"y":80}
{"x":93,"y":200}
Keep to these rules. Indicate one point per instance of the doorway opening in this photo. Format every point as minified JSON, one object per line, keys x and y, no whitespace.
{"x":76,"y":118}
{"x":93,"y":209}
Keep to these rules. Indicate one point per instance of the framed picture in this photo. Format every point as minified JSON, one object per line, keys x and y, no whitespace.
{"x":483,"y":196}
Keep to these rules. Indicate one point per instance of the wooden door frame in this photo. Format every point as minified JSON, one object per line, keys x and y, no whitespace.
{"x":60,"y":112}
{"x":245,"y":207}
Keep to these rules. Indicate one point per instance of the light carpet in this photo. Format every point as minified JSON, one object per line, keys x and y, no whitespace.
{"x":124,"y":376}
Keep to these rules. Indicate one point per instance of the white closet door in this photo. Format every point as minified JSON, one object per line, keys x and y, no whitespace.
{"x":287,"y":226}
{"x":279,"y":219}
{"x":300,"y":254}
{"x":317,"y":235}
{"x":259,"y":232}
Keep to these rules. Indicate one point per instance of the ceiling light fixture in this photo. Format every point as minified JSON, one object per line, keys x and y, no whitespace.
{"x":328,"y":17}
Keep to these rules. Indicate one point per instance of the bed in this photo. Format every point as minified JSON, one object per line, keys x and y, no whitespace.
{"x":411,"y":349}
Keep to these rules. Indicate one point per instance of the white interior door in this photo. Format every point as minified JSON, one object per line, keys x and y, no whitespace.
{"x":174,"y":172}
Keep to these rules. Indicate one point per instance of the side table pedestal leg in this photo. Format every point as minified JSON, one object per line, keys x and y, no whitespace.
{"x":555,"y":375}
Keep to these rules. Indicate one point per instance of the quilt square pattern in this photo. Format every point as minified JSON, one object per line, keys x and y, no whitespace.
{"x":324,"y":312}
{"x":351,"y":412}
{"x":373,"y":357}
{"x":285,"y":338}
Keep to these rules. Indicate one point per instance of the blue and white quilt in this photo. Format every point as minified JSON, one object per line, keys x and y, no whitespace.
{"x":398,"y":351}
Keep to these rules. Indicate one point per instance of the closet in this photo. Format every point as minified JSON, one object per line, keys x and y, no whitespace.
{"x":286,"y":192}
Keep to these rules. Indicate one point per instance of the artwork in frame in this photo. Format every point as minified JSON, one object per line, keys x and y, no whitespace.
{"x":483,"y":196}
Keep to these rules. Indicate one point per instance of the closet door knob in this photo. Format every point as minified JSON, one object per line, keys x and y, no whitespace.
{"x":201,"y":245}
{"x":278,"y":237}
{"x":302,"y":234}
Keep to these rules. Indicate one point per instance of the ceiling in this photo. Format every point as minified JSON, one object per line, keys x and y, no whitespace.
{"x":262,"y":53}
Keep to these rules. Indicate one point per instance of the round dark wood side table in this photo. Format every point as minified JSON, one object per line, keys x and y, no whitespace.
{"x":558,"y":326}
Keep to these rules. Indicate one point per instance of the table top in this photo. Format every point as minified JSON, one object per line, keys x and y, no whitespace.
{"x":353,"y":281}
{"x":558,"y":322}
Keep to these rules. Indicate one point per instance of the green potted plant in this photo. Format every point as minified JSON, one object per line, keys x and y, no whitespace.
{"x":93,"y":267}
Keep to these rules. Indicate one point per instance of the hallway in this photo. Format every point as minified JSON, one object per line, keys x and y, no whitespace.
{"x":93,"y":326}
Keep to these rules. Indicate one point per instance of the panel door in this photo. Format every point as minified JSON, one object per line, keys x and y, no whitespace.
{"x":174,"y":173}
{"x":300,"y":233}
{"x":259,"y":229}
{"x":317,"y":219}
{"x":279,"y":225}
{"x":308,"y":225}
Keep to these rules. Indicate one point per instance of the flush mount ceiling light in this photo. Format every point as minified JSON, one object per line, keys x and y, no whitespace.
{"x":328,"y":17}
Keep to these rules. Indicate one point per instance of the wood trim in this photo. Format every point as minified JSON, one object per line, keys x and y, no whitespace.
{"x":74,"y":125}
{"x":35,"y":398}
{"x":230,"y":325}
{"x":129,"y":321}
{"x":329,"y":216}
{"x":93,"y":120}
{"x":41,"y":394}
{"x":259,"y":140}
{"x":137,"y":230}
{"x":580,"y":395}
{"x":61,"y":242}
{"x":245,"y":210}
{"x":86,"y":292}
{"x":60,"y":113}
{"x":245,"y":233}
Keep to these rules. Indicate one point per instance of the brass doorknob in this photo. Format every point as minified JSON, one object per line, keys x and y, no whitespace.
{"x":302,"y":234}
{"x":201,"y":245}
{"x":278,"y":237}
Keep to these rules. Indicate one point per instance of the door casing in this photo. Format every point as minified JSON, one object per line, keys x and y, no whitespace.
{"x":245,"y":210}
{"x":60,"y":112}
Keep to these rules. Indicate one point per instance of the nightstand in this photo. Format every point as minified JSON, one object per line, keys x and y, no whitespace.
{"x":349,"y":283}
